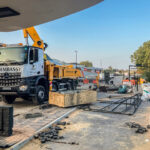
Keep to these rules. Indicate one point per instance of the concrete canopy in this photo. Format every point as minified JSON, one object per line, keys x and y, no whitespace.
{"x":29,"y":13}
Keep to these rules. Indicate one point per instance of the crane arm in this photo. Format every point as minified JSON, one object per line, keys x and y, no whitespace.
{"x":35,"y":37}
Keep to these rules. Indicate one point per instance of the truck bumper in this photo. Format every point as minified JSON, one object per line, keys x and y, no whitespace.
{"x":15,"y":90}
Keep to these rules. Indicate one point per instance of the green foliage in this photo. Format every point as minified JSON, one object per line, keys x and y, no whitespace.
{"x":86,"y":63}
{"x":142,"y":57}
{"x":110,"y":68}
{"x":146,"y":75}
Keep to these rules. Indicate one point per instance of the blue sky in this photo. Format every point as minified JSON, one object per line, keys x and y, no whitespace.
{"x":106,"y":34}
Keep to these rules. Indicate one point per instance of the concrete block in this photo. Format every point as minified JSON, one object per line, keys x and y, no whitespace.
{"x":73,"y":98}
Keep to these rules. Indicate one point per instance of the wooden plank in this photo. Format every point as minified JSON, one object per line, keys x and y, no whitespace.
{"x":73,"y":98}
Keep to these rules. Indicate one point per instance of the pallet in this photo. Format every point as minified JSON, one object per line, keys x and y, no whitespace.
{"x":72,"y":98}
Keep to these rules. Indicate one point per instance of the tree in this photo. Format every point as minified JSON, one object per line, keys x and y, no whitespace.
{"x":146,"y":75}
{"x":142,"y":57}
{"x":86,"y":63}
{"x":110,"y":68}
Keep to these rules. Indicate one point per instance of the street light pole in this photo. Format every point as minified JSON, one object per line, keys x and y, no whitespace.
{"x":76,"y":57}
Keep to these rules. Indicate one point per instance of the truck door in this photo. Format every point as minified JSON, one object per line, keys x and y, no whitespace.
{"x":36,"y":62}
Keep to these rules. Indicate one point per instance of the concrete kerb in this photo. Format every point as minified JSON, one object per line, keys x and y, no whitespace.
{"x":23,"y":142}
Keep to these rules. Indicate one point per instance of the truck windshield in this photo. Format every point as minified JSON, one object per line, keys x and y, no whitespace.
{"x":13,"y":55}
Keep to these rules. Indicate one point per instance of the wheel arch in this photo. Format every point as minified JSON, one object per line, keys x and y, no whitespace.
{"x":42,"y":81}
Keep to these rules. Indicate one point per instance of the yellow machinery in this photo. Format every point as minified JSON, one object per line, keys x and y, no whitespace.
{"x":60,"y":76}
{"x":35,"y":37}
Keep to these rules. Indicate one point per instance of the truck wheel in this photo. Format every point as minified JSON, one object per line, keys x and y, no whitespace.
{"x":9,"y":99}
{"x":40,"y":95}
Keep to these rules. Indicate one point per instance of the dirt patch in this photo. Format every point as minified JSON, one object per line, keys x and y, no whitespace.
{"x":145,"y":146}
{"x":33,"y":145}
{"x":77,"y":127}
{"x":98,"y":116}
{"x":141,"y":145}
{"x":75,"y":113}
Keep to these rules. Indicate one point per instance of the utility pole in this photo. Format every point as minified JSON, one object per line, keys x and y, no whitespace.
{"x":129,"y":72}
{"x":76,"y":57}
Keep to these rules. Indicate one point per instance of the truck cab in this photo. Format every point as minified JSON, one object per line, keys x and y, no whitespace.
{"x":22,"y":73}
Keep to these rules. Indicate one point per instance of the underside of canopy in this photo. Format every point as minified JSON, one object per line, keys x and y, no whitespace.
{"x":19,"y":14}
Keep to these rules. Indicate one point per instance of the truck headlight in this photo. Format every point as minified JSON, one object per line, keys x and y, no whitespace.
{"x":23,"y":88}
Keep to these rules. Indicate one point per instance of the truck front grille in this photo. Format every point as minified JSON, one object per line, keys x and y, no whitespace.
{"x":10,"y":79}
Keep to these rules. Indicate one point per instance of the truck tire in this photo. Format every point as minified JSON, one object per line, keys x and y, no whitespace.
{"x":9,"y":99}
{"x":40,"y":95}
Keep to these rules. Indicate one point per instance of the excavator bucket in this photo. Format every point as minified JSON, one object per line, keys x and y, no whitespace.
{"x":20,"y":14}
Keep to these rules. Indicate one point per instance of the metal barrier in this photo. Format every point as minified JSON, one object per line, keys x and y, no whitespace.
{"x":126,"y":106}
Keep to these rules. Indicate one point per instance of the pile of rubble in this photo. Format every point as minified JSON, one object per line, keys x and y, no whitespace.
{"x":50,"y":134}
{"x":139,"y":129}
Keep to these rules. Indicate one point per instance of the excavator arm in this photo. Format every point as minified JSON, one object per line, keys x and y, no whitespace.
{"x":35,"y":37}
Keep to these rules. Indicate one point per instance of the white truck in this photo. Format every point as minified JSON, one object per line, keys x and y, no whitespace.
{"x":22,"y":73}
